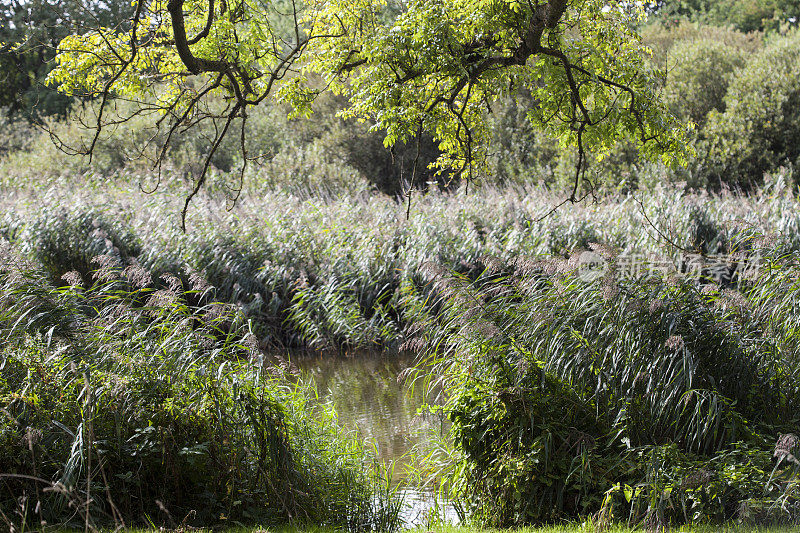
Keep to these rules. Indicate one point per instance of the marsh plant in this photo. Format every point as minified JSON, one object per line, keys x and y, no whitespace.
{"x":655,"y":400}
{"x":123,"y":405}
{"x":328,"y":272}
{"x":135,"y":385}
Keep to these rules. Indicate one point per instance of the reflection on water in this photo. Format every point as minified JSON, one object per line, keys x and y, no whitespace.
{"x":368,"y":397}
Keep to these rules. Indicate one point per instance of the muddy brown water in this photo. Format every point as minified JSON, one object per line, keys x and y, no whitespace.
{"x":385,"y":411}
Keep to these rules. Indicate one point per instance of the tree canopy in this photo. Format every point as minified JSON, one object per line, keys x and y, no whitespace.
{"x":412,"y":67}
{"x":744,"y":15}
{"x":30,"y":31}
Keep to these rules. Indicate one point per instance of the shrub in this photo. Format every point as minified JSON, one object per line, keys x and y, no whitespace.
{"x":518,"y":154}
{"x":758,"y":131}
{"x":744,"y":15}
{"x":131,"y":145}
{"x":391,"y":171}
{"x":358,"y":144}
{"x":661,"y":39}
{"x":15,"y":133}
{"x":698,"y":77}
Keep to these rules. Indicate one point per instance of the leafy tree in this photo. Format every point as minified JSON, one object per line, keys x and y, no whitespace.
{"x":421,"y":67}
{"x":744,"y":15}
{"x":29,"y":33}
{"x":759,"y":129}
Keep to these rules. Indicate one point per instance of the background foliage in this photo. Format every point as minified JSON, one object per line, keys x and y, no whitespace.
{"x":739,"y":90}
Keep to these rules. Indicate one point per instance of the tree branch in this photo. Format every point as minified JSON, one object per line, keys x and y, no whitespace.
{"x":207,"y":28}
{"x":195,"y":64}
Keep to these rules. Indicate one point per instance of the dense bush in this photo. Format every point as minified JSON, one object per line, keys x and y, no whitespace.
{"x":518,"y":154}
{"x":661,"y":39}
{"x":15,"y":133}
{"x":123,"y":406}
{"x":759,"y":128}
{"x":744,"y":15}
{"x":299,"y":155}
{"x":698,"y":77}
{"x":389,"y":170}
{"x":56,"y":149}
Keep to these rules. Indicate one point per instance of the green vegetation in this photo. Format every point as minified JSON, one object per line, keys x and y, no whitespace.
{"x":565,"y":528}
{"x":333,"y":275}
{"x":766,"y":93}
{"x":124,"y":405}
{"x":608,"y":397}
{"x":744,"y":15}
{"x":626,"y":363}
{"x":411,"y":69}
{"x":739,"y":89}
{"x":29,"y":33}
{"x":645,"y":399}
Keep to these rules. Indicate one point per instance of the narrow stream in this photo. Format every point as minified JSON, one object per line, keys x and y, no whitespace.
{"x":369,"y":397}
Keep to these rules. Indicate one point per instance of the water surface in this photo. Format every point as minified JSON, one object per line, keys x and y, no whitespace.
{"x":371,"y":397}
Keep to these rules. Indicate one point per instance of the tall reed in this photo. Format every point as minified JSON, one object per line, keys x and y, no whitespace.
{"x":328,"y":272}
{"x":123,"y":404}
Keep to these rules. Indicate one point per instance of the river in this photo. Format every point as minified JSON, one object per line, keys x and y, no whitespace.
{"x":385,"y":411}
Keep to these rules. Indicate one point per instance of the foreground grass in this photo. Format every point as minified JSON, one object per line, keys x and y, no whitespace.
{"x":174,"y":412}
{"x":565,"y":528}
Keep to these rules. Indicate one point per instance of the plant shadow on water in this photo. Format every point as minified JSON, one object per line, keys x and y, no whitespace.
{"x":371,"y":397}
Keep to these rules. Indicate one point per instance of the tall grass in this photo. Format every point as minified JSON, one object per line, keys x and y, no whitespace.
{"x":652,"y":399}
{"x":123,"y":405}
{"x":328,"y":273}
{"x":643,"y":397}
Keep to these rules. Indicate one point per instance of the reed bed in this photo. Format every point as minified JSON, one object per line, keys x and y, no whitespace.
{"x":123,"y":405}
{"x":651,"y":391}
{"x":657,"y":400}
{"x":328,"y":272}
